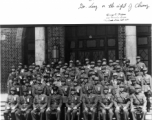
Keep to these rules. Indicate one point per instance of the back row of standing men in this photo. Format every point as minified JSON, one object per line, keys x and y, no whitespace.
{"x":41,"y":90}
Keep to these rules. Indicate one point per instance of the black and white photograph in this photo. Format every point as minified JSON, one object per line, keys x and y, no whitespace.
{"x":76,"y":60}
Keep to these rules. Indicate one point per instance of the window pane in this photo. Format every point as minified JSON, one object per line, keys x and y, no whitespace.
{"x":142,"y":41}
{"x":111,"y":42}
{"x":80,"y":44}
{"x":91,"y":43}
{"x":72,"y":44}
{"x":143,"y":53}
{"x":111,"y":54}
{"x":101,"y":43}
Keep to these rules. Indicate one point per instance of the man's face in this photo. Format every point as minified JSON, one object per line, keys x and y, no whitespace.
{"x":40,"y":92}
{"x":87,"y":62}
{"x":72,"y":92}
{"x":145,"y":72}
{"x":118,"y":69}
{"x":66,"y":76}
{"x":92,"y":65}
{"x":98,"y":64}
{"x":82,"y":71}
{"x":121,"y":89}
{"x":75,"y":83}
{"x":38,"y":81}
{"x":12,"y":92}
{"x":105,"y":78}
{"x":82,"y":80}
{"x":58,"y":78}
{"x":138,"y":90}
{"x":138,"y":59}
{"x":63,"y":82}
{"x":115,"y":76}
{"x":110,"y":64}
{"x":127,"y":63}
{"x":25,"y":93}
{"x":105,"y":91}
{"x":85,"y":80}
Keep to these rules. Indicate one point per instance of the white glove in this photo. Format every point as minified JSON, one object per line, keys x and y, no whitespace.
{"x":69,"y":108}
{"x":91,"y":109}
{"x":86,"y":109}
{"x":75,"y":107}
{"x":58,"y":109}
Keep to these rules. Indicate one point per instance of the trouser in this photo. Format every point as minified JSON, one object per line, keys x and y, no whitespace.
{"x":49,"y":113}
{"x":12,"y":112}
{"x":87,"y":112}
{"x":27,"y":114}
{"x":104,"y":112}
{"x":148,"y":94}
{"x":133,"y":112}
{"x":71,"y":114}
{"x":38,"y":115}
{"x":118,"y":113}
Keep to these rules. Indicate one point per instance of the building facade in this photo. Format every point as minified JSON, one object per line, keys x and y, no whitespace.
{"x":28,"y":44}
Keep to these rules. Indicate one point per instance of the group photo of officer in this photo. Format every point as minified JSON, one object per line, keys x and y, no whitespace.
{"x":93,"y":90}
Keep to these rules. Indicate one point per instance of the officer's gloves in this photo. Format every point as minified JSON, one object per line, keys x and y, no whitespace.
{"x":58,"y":108}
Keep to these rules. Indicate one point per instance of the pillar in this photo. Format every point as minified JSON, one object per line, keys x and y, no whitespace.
{"x":0,"y":54}
{"x":151,"y":49}
{"x":131,"y":45}
{"x":39,"y":45}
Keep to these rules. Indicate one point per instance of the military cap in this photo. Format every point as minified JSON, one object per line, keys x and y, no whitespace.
{"x":114,"y":63}
{"x":72,"y":89}
{"x":104,"y":63}
{"x":85,"y":76}
{"x":110,"y":61}
{"x":20,"y":64}
{"x":103,"y":67}
{"x":82,"y":68}
{"x":93,"y":73}
{"x":40,"y":89}
{"x":33,"y":64}
{"x":60,"y":62}
{"x":92,"y":62}
{"x":86,"y":59}
{"x":118,"y":67}
{"x":44,"y":63}
{"x":13,"y":89}
{"x":133,"y":78}
{"x":122,"y":86}
{"x":77,"y":61}
{"x":55,"y":88}
{"x":127,"y":61}
{"x":66,"y":64}
{"x":124,"y":58}
{"x":115,"y":74}
{"x":120,"y":78}
{"x":48,"y":66}
{"x":13,"y":70}
{"x":98,"y":61}
{"x":104,"y":59}
{"x":52,"y":63}
{"x":106,"y":88}
{"x":15,"y":79}
{"x":64,"y":67}
{"x":25,"y":90}
{"x":42,"y":68}
{"x":138,"y":57}
{"x":55,"y":70}
{"x":38,"y":78}
{"x":25,"y":66}
{"x":13,"y":67}
{"x":37,"y":66}
{"x":137,"y":86}
{"x":71,"y":61}
{"x":117,"y":61}
{"x":145,"y":69}
{"x":72,"y":75}
{"x":128,"y":74}
{"x":58,"y":75}
{"x":82,"y":76}
{"x":66,"y":73}
{"x":96,"y":78}
{"x":57,"y":67}
{"x":30,"y":67}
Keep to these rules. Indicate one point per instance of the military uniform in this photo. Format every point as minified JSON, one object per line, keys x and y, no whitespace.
{"x":73,"y":104}
{"x":89,"y":104}
{"x":54,"y":104}
{"x":25,"y":106}
{"x":12,"y":103}
{"x":106,"y":104}
{"x":121,"y":103}
{"x":39,"y":104}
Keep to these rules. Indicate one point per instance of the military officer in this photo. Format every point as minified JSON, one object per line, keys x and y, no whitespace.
{"x":106,"y":104}
{"x":73,"y":104}
{"x":11,"y":105}
{"x":54,"y":104}
{"x":25,"y":106}
{"x":77,"y":87}
{"x":121,"y":103}
{"x":138,"y":100}
{"x":98,"y":67}
{"x":17,"y":86}
{"x":89,"y":104}
{"x":140,"y":65}
{"x":39,"y":104}
{"x":98,"y":88}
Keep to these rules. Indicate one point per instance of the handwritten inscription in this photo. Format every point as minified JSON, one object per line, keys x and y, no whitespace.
{"x":128,"y":6}
{"x":116,"y":17}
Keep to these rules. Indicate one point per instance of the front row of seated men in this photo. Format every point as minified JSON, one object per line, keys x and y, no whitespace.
{"x":42,"y":106}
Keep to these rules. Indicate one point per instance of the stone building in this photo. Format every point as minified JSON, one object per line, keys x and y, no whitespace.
{"x":38,"y":43}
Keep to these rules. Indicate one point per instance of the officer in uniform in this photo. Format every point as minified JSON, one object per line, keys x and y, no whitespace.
{"x":25,"y":106}
{"x":106,"y":104}
{"x":77,"y":87}
{"x":54,"y":104}
{"x":147,"y":86}
{"x":27,"y":86}
{"x":98,"y":67}
{"x":98,"y":88}
{"x":121,"y":103}
{"x":73,"y":104}
{"x":140,"y":65}
{"x":12,"y":103}
{"x":89,"y":104}
{"x":17,"y":86}
{"x":39,"y":104}
{"x":138,"y":100}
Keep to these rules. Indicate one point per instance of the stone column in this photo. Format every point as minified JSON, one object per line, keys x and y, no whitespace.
{"x":131,"y":45}
{"x":151,"y":49}
{"x":0,"y":54}
{"x":39,"y":45}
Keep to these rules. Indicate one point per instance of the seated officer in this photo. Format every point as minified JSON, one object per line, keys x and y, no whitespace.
{"x":138,"y":100}
{"x":106,"y":103}
{"x":98,"y":88}
{"x":25,"y":106}
{"x":11,"y":104}
{"x":54,"y":104}
{"x":121,"y":103}
{"x":39,"y":104}
{"x":89,"y":104}
{"x":73,"y":104}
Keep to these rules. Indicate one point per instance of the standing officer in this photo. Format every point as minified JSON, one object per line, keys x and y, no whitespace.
{"x":25,"y":106}
{"x":121,"y":103}
{"x":98,"y":88}
{"x":54,"y":104}
{"x":12,"y":103}
{"x":89,"y":104}
{"x":138,"y":100}
{"x":106,"y":104}
{"x":73,"y":104}
{"x":39,"y":104}
{"x":140,"y":65}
